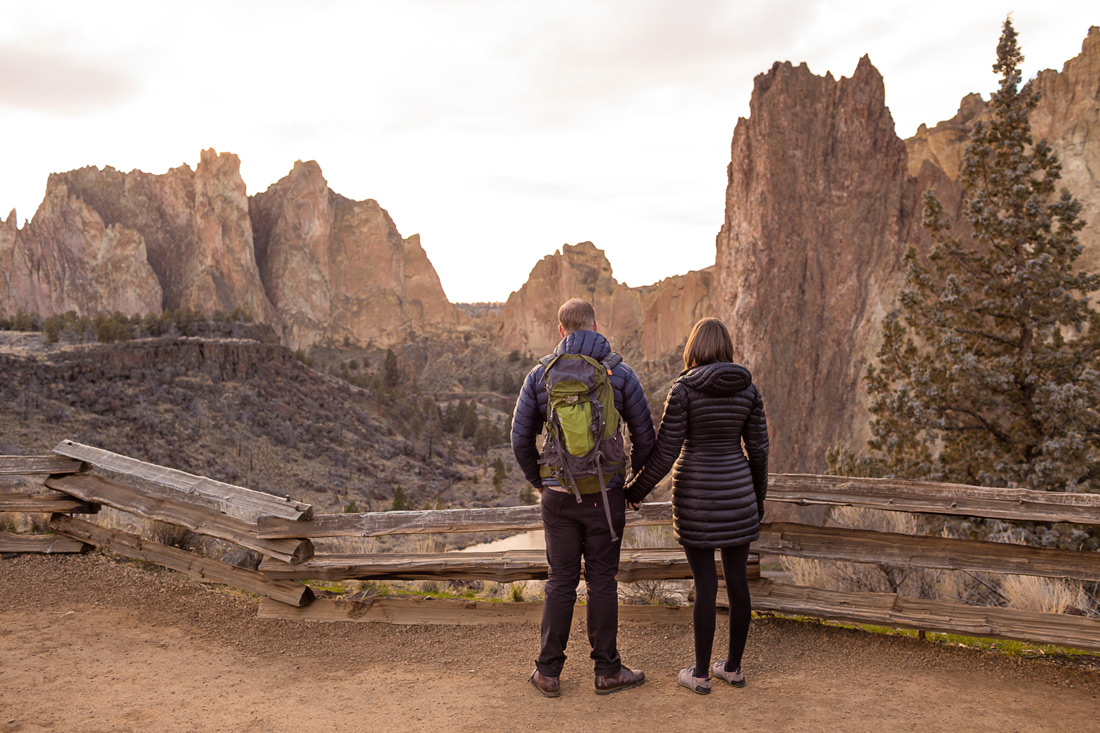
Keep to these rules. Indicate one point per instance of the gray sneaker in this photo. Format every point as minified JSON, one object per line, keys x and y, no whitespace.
{"x":735,"y":678}
{"x":687,"y":678}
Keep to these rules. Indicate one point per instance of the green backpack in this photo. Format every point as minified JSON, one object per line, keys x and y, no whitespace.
{"x":583,"y":443}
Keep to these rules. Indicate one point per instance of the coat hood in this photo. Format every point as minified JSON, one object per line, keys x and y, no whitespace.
{"x":721,"y":377}
{"x":588,"y":343}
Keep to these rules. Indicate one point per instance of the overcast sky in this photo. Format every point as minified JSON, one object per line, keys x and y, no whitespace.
{"x":496,"y":129}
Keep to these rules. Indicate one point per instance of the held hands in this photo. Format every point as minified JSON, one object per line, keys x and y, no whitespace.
{"x":632,"y":505}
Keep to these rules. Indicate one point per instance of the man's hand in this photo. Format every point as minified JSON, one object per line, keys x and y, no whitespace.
{"x":633,"y":504}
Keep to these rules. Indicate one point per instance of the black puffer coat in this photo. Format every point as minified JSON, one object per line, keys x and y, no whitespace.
{"x":717,"y":490}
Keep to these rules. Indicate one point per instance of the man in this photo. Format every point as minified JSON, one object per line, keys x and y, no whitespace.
{"x":577,"y":524}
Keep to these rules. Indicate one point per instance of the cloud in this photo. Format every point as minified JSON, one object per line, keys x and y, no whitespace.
{"x":61,"y":84}
{"x":602,"y":56}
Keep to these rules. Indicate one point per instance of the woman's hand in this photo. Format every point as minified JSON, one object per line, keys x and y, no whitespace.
{"x":633,"y":505}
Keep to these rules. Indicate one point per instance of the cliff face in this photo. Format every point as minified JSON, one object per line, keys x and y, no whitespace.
{"x":672,"y":307}
{"x":195,"y":225}
{"x":1067,"y":116}
{"x":337,"y":268}
{"x":646,"y":322}
{"x":823,"y":199}
{"x":68,"y":258}
{"x":136,"y":242}
{"x":817,"y":206}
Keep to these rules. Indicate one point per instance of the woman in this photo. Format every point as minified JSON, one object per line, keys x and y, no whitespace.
{"x":718,"y":487}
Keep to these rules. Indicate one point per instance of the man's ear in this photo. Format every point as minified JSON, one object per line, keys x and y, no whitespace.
{"x":561,"y":330}
{"x":595,"y":326}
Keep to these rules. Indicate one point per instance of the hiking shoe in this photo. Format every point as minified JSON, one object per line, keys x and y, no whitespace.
{"x":735,"y":678}
{"x":700,"y":685}
{"x":547,"y":686}
{"x":624,"y":679}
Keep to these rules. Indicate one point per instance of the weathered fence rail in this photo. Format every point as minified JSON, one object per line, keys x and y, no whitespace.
{"x":82,"y":478}
{"x":195,"y":517}
{"x":658,"y":563}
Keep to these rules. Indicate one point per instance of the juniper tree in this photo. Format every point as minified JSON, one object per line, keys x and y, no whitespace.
{"x":988,"y":371}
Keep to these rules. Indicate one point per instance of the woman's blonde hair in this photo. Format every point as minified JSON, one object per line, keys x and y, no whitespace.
{"x":709,"y":342}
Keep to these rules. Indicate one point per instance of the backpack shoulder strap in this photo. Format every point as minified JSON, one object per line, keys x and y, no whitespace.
{"x":611,"y":361}
{"x":545,"y":361}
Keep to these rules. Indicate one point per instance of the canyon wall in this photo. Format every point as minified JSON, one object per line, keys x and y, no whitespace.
{"x":817,"y":207}
{"x":337,"y":268}
{"x":326,"y":267}
{"x":822,"y":201}
{"x":195,"y":226}
{"x":69,"y":258}
{"x":641,"y":322}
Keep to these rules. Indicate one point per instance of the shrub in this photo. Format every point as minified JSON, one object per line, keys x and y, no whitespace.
{"x":1045,"y":595}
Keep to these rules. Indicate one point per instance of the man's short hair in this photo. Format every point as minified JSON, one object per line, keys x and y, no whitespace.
{"x":577,"y":315}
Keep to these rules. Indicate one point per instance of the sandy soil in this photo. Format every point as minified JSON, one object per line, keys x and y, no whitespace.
{"x":96,"y":644}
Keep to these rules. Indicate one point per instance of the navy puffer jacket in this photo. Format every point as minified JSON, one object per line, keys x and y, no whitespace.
{"x":630,"y":401}
{"x":718,"y":488}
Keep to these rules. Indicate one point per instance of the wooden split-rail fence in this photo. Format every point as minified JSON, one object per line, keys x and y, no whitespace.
{"x":80,"y":479}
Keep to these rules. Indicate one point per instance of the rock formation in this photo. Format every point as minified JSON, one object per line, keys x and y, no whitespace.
{"x":196,"y":229}
{"x":645,"y":322}
{"x":1067,"y":116}
{"x":817,"y":205}
{"x":337,"y":268}
{"x":68,"y":258}
{"x":136,"y":242}
{"x":943,"y":144}
{"x":822,"y":201}
{"x":673,"y":305}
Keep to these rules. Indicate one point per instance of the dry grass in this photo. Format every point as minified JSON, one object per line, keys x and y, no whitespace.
{"x":946,"y":585}
{"x":25,"y":523}
{"x":1045,"y":595}
{"x":652,"y":592}
{"x":1033,"y":593}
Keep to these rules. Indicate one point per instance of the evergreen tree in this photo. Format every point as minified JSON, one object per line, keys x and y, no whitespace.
{"x":989,"y":373}
{"x":400,"y":503}
{"x":391,"y":374}
{"x":498,"y":473}
{"x":483,"y":436}
{"x":469,"y":421}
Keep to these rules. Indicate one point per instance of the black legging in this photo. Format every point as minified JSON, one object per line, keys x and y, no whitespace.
{"x":734,"y":561}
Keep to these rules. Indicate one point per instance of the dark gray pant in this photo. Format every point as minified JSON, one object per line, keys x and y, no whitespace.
{"x":575,"y":530}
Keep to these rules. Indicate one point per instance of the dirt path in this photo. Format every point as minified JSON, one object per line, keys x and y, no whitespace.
{"x":93,"y":644}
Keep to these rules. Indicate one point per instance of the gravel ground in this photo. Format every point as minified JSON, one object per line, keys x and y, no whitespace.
{"x":91,"y":643}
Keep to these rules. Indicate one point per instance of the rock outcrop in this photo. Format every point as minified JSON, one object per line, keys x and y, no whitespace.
{"x":644,"y":322}
{"x":817,"y":208}
{"x":1067,"y":116}
{"x":823,"y":199}
{"x":337,"y":268}
{"x":68,"y":258}
{"x":136,"y":242}
{"x":673,"y":305}
{"x":196,"y":229}
{"x":943,"y":145}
